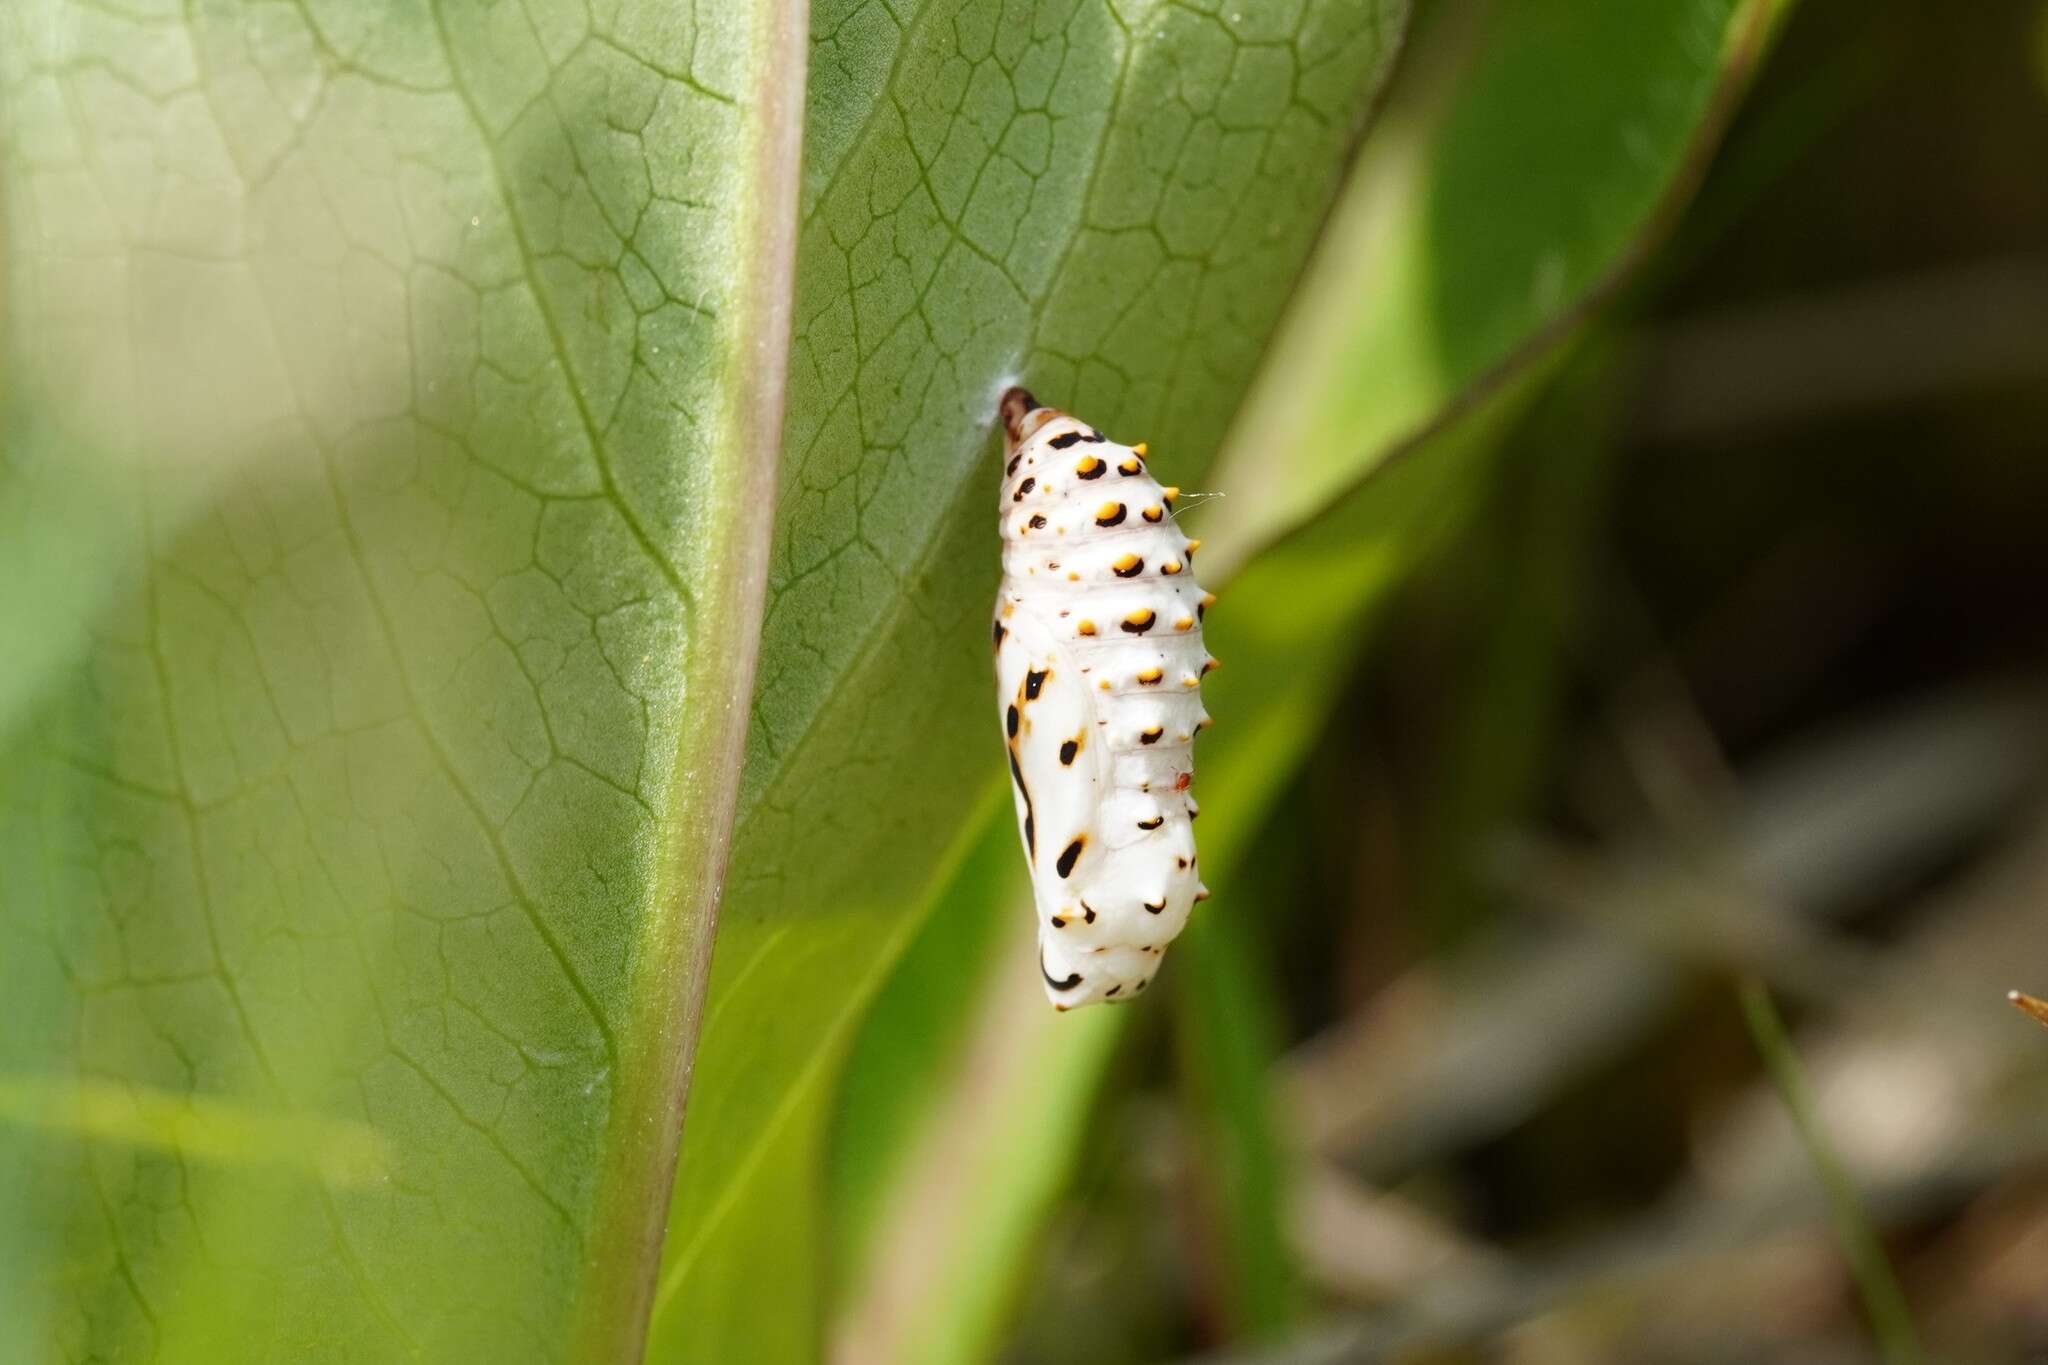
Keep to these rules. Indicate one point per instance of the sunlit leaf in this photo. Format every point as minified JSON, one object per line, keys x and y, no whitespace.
{"x":391,"y":416}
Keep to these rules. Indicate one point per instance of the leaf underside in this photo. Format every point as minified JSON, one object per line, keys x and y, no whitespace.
{"x":393,"y":373}
{"x":1106,"y":201}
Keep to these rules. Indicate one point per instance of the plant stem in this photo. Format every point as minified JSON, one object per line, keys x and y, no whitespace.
{"x":1891,"y":1324}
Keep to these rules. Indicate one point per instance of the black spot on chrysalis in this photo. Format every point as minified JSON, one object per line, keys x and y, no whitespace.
{"x":1013,"y":722}
{"x":1150,"y":736}
{"x":1030,"y":816}
{"x":1033,"y":681}
{"x":1022,"y":489}
{"x":1001,"y":631}
{"x":1154,"y":823}
{"x":1158,"y":909}
{"x":1137,"y":567}
{"x":1067,"y":985}
{"x":1114,"y":518}
{"x":1070,"y":855}
{"x":1072,"y":438}
{"x":1068,"y":752}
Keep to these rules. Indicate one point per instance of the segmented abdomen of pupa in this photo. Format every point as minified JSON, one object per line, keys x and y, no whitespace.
{"x":1099,"y":661}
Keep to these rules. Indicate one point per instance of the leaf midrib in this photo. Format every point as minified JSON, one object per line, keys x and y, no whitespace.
{"x":682,"y":917}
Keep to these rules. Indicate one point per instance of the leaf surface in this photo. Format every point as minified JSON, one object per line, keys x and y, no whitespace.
{"x":399,"y":386}
{"x":1532,"y":153}
{"x":1109,"y":201}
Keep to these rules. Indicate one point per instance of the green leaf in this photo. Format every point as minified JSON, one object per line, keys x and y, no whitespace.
{"x":943,"y":1168}
{"x":1532,"y":153}
{"x":1108,"y":201}
{"x":1423,"y":296}
{"x":400,"y":387}
{"x":1229,"y":1030}
{"x":931,"y":1199}
{"x":912,"y":1037}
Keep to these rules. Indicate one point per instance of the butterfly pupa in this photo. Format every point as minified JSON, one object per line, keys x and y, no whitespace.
{"x":1099,"y":661}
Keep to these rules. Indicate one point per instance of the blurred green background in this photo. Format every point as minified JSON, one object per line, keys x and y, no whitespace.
{"x":1625,"y":813}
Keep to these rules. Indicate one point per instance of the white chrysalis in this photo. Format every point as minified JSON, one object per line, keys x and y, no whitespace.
{"x":1099,"y":660}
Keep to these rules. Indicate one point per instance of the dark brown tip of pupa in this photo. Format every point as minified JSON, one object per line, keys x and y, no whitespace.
{"x":1016,"y":403}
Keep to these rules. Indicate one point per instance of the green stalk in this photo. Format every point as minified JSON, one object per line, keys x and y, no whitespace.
{"x":1891,"y":1324}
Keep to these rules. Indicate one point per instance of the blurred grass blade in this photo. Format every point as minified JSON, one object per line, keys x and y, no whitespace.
{"x":1229,"y":1032}
{"x":196,"y":1128}
{"x":984,"y":198}
{"x":1532,"y":152}
{"x":935,"y":1273}
{"x":1528,"y":564}
{"x":877,"y":1110}
{"x":401,"y":389}
{"x":1890,"y":1322}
